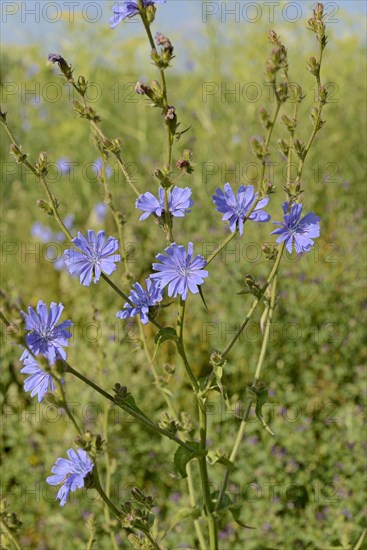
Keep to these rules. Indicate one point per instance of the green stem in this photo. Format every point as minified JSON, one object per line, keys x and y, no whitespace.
{"x":190,"y":485}
{"x":213,"y":533}
{"x":208,"y":505}
{"x":115,"y":214}
{"x":132,"y":412}
{"x":267,"y":142}
{"x":106,"y":407}
{"x":9,"y":534}
{"x":174,"y":414}
{"x":102,"y":493}
{"x":318,"y":119}
{"x":181,"y":346}
{"x":114,"y":510}
{"x":226,"y":241}
{"x":152,"y":540}
{"x":66,"y":408}
{"x":255,"y":303}
{"x":259,"y":366}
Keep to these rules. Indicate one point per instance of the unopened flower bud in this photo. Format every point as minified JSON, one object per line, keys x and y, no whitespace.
{"x":164,"y":42}
{"x":216,"y":359}
{"x":282,"y":92}
{"x":313,"y":66}
{"x":264,"y":118}
{"x":171,"y":113}
{"x":82,"y":85}
{"x":323,"y":95}
{"x":299,"y":147}
{"x":45,"y":207}
{"x":283,"y":146}
{"x":290,"y":123}
{"x":158,"y":174}
{"x":17,"y":153}
{"x":257,"y":148}
{"x":63,"y":65}
{"x":319,"y":11}
{"x":139,"y":88}
{"x":269,"y":188}
{"x":184,"y":166}
{"x":150,"y":13}
{"x":270,"y":251}
{"x":42,"y":164}
{"x":274,"y":38}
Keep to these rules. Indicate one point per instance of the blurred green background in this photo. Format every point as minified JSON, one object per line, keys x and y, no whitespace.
{"x":305,"y":487}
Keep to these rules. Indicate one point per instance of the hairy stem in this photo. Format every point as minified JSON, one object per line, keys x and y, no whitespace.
{"x":132,"y":412}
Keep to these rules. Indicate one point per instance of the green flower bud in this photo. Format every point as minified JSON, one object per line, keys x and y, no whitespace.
{"x":283,"y":146}
{"x":299,"y":147}
{"x":45,"y":207}
{"x":17,"y":153}
{"x":264,"y":118}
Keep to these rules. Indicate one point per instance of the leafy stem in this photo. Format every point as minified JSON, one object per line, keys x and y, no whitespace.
{"x":174,"y":414}
{"x":255,"y":381}
{"x":255,"y":303}
{"x":124,"y":406}
{"x":201,"y":402}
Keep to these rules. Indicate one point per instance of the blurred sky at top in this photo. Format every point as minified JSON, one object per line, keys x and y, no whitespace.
{"x":46,"y":21}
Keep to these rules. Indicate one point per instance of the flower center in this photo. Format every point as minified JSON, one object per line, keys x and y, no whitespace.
{"x":45,"y":333}
{"x":185,"y":271}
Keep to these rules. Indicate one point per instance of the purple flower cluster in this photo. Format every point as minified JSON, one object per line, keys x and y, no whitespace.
{"x":39,"y":382}
{"x":179,"y":202}
{"x":180,"y":270}
{"x":46,"y":338}
{"x":96,"y":256}
{"x":45,"y":235}
{"x":235,"y":207}
{"x":296,"y":231}
{"x":143,"y":301}
{"x":129,"y":8}
{"x":70,"y":474}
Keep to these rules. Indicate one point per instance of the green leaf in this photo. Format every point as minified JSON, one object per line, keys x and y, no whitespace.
{"x":202,"y":297}
{"x":183,"y":456}
{"x":227,"y":506}
{"x":182,"y":513}
{"x":236,"y":511}
{"x":226,"y":501}
{"x":130,"y":402}
{"x":218,"y":371}
{"x":218,"y":457}
{"x":167,"y":333}
{"x":261,"y":399}
{"x":162,"y":336}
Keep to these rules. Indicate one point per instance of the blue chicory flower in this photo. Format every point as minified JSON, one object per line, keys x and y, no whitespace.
{"x":41,"y":232}
{"x":143,"y":300}
{"x":46,"y":337}
{"x":297,"y":231}
{"x":128,"y":8}
{"x":97,"y":167}
{"x":100,"y":210}
{"x":64,"y":165}
{"x":235,"y":207}
{"x":45,"y":235}
{"x":179,"y":202}
{"x":180,"y":271}
{"x":70,"y":474}
{"x":96,"y":256}
{"x":39,"y":382}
